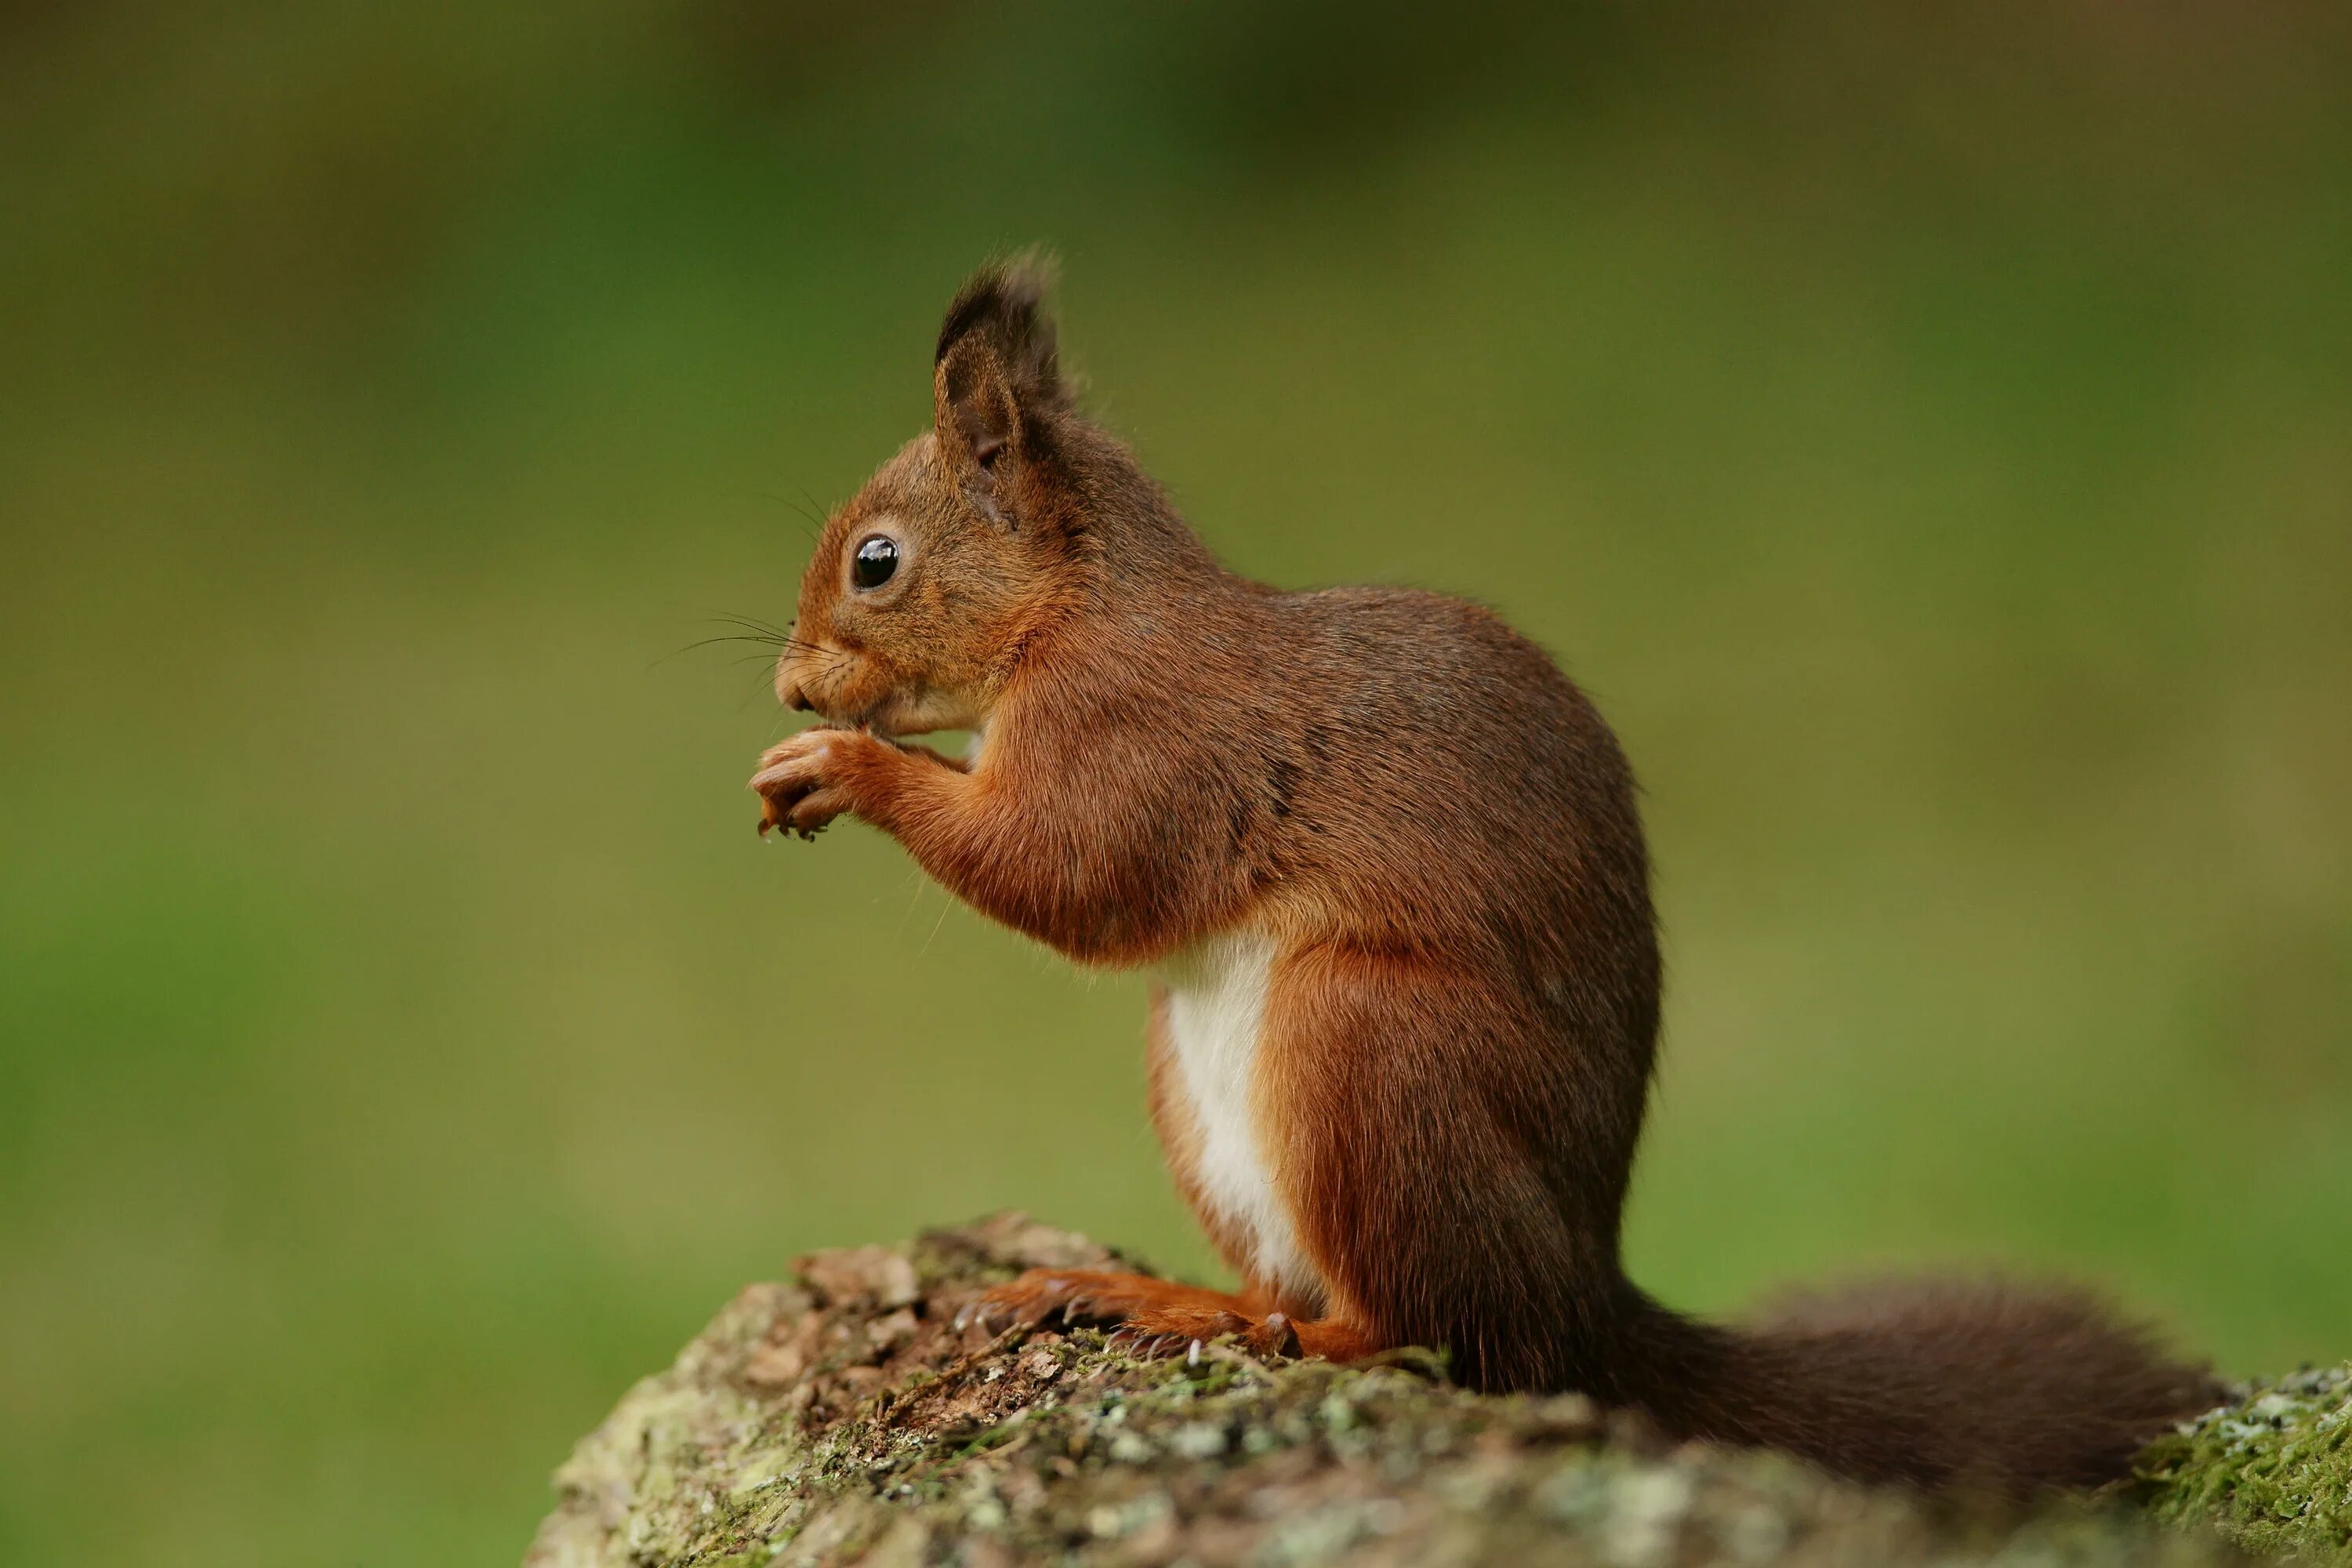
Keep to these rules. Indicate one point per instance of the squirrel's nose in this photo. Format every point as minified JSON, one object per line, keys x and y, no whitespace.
{"x":789,"y":693}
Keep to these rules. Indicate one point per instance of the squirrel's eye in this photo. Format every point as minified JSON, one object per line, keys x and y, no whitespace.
{"x":876,"y":558}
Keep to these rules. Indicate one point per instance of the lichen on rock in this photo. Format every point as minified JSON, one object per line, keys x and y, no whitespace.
{"x":842,"y":1418}
{"x":2273,"y":1472}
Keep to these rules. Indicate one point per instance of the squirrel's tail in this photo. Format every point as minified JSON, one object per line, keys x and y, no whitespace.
{"x":1935,"y":1383}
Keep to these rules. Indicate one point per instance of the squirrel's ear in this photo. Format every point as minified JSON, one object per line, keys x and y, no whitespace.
{"x":995,"y":374}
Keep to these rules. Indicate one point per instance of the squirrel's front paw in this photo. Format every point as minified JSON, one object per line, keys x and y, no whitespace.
{"x":800,"y":782}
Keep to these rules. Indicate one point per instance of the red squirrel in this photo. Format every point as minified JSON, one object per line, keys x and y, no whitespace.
{"x":1384,"y":861}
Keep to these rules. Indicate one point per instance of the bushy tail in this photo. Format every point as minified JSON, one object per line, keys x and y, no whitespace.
{"x":1940,"y":1383}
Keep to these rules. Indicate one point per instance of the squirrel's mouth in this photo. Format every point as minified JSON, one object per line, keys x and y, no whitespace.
{"x":848,"y":687}
{"x":816,"y":679}
{"x":892,"y":716}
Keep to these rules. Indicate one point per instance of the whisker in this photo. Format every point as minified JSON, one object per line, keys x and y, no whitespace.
{"x":753,"y":624}
{"x":763,"y":687}
{"x":813,"y":513}
{"x":706,"y":642}
{"x":747,"y":624}
{"x":761,"y":632}
{"x":771,"y":642}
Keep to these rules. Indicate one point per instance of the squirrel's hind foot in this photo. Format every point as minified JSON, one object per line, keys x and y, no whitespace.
{"x":1155,"y":1318}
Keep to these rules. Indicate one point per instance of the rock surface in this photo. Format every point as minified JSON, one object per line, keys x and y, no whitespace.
{"x":840,"y":1418}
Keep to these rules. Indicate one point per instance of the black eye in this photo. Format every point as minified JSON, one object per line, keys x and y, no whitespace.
{"x":876,"y":558}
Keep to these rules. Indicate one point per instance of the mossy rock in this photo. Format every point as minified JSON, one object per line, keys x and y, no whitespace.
{"x":841,"y":1418}
{"x":2273,"y":1471}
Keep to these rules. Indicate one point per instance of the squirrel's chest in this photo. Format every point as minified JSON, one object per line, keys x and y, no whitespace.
{"x":1214,"y":1023}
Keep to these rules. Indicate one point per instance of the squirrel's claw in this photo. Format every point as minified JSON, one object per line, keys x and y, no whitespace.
{"x":1140,"y":1344}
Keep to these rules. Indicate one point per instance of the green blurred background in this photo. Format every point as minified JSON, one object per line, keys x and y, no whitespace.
{"x":1928,"y":430}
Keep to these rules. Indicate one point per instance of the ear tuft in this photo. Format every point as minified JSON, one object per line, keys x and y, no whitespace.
{"x":1003,"y":306}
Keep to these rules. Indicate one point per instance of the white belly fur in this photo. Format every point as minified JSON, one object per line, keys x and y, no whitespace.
{"x":1216,"y":1008}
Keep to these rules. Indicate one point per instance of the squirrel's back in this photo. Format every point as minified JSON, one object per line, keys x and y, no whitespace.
{"x":1418,"y":763}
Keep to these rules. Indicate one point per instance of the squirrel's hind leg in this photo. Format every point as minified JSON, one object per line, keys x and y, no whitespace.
{"x":1419,"y":1121}
{"x":1159,"y":1317}
{"x":1088,"y":1296}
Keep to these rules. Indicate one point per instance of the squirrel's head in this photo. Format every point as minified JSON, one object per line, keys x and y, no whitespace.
{"x":924,"y":584}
